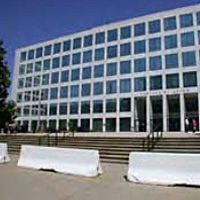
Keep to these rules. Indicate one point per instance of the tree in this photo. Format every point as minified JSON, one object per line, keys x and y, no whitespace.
{"x":7,"y":109}
{"x":4,"y":76}
{"x":72,"y":126}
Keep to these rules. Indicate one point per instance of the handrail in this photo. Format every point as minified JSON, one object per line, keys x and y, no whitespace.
{"x":150,"y":141}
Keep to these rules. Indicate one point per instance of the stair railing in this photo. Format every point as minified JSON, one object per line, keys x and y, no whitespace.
{"x":152,"y":138}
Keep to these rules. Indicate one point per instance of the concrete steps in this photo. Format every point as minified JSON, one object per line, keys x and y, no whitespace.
{"x":112,"y":149}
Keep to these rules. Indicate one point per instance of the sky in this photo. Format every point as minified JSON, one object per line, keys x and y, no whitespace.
{"x":26,"y":22}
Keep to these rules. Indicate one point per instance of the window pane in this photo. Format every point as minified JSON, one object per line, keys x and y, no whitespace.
{"x":76,"y":58}
{"x":112,"y":35}
{"x":75,"y":74}
{"x":154,"y":26}
{"x":47,"y":50}
{"x":111,"y":87}
{"x":125,"y":32}
{"x":38,"y":66}
{"x":97,"y":106}
{"x":98,"y":125}
{"x":63,"y":108}
{"x":36,"y":81}
{"x":54,"y":77}
{"x":125,"y":85}
{"x":74,"y":108}
{"x":65,"y":61}
{"x":88,"y":41}
{"x":31,"y":54}
{"x":155,"y":82}
{"x":56,"y":63}
{"x":85,"y":107}
{"x":77,"y":43}
{"x":99,"y":54}
{"x":125,"y":49}
{"x":171,"y":61}
{"x":125,"y":124}
{"x":170,"y":41}
{"x":140,"y":47}
{"x":86,"y":90}
{"x":86,"y":73}
{"x":46,"y":64}
{"x":186,"y":20}
{"x":87,"y":56}
{"x":111,"y":69}
{"x":110,"y":125}
{"x":64,"y":76}
{"x":56,"y":48}
{"x":187,"y":39}
{"x":53,"y":109}
{"x":67,"y":45}
{"x":140,"y":84}
{"x":139,"y":29}
{"x":140,"y":65}
{"x":100,"y":38}
{"x":172,"y":81}
{"x":155,"y":44}
{"x":29,"y":68}
{"x":155,"y":63}
{"x":190,"y":79}
{"x":23,"y":56}
{"x":125,"y":67}
{"x":39,"y":52}
{"x":111,"y":105}
{"x":74,"y":91}
{"x":45,"y":79}
{"x":98,"y":88}
{"x":98,"y":71}
{"x":21,"y":69}
{"x":112,"y":51}
{"x":54,"y":93}
{"x":189,"y":58}
{"x":125,"y":104}
{"x":64,"y":92}
{"x":170,"y":23}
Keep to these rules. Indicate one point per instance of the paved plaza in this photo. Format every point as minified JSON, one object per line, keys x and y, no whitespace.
{"x":26,"y":184}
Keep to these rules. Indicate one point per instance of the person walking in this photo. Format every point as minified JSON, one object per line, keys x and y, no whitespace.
{"x":187,"y":124}
{"x":194,"y":125}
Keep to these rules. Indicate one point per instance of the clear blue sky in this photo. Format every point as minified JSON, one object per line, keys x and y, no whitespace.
{"x":25,"y":22}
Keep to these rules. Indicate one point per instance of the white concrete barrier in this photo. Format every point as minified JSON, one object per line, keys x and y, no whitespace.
{"x":164,"y":168}
{"x":4,"y":153}
{"x":64,"y":160}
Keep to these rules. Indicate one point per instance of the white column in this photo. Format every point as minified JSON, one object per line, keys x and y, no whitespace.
{"x":182,"y":112}
{"x":117,"y":124}
{"x":199,"y":108}
{"x":164,"y":102}
{"x":148,"y":108}
{"x":133,"y":115}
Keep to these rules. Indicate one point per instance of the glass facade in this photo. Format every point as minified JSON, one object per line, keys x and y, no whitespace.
{"x":105,"y":73}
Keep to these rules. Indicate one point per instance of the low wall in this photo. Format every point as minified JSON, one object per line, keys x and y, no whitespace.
{"x":64,"y":160}
{"x":4,"y":153}
{"x":164,"y":168}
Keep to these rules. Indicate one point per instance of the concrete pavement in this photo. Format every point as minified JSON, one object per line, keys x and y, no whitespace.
{"x":26,"y":184}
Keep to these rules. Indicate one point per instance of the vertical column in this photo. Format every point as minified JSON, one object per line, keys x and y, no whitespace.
{"x":148,"y":120}
{"x":164,"y":102}
{"x":117,"y":124}
{"x":104,"y":124}
{"x":133,"y":115}
{"x":199,"y":108}
{"x":182,"y":111}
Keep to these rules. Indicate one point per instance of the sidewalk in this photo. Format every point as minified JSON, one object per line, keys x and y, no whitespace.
{"x":26,"y":184}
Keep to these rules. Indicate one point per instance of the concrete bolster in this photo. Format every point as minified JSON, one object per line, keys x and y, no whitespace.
{"x":4,"y":153}
{"x":64,"y":160}
{"x":164,"y":168}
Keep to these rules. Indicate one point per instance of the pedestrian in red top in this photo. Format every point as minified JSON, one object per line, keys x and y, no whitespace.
{"x":194,"y":125}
